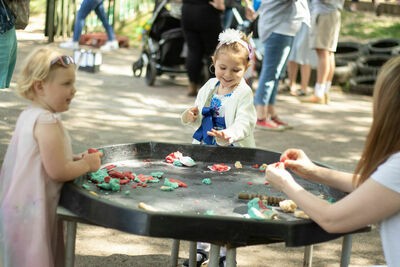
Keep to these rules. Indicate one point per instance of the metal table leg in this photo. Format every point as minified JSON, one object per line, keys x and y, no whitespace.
{"x":346,"y":251}
{"x":307,"y":262}
{"x":175,"y":252}
{"x":214,"y":256}
{"x":192,"y":254}
{"x":70,"y":244}
{"x":230,"y":257}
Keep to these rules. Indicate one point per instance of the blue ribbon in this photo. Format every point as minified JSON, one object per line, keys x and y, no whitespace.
{"x":206,"y":125}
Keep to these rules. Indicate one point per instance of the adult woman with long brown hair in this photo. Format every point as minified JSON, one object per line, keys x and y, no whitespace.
{"x":374,"y":188}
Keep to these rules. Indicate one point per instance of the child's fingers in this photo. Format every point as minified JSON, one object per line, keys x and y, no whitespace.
{"x":211,"y":133}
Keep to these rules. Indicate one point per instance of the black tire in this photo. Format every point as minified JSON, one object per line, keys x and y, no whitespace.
{"x":344,"y":70}
{"x":371,"y":64}
{"x":383,"y":46}
{"x":151,"y":73}
{"x":362,"y":84}
{"x":348,"y":51}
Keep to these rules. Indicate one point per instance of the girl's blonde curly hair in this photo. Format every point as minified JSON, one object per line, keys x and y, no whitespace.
{"x":36,"y":67}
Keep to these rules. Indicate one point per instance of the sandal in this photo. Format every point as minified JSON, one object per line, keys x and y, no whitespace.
{"x":203,"y":258}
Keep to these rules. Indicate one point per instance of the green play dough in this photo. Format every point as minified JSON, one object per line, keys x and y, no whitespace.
{"x":206,"y":181}
{"x":177,"y":163}
{"x":99,"y":175}
{"x":157,"y":174}
{"x":170,"y":184}
{"x":112,"y":185}
{"x":87,"y":187}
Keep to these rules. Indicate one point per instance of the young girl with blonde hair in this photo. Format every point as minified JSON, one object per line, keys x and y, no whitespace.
{"x":38,"y":161}
{"x":224,"y":112}
{"x":374,"y":188}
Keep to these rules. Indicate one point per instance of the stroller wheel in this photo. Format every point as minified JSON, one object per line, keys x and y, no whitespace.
{"x":151,"y":73}
{"x":137,"y":68}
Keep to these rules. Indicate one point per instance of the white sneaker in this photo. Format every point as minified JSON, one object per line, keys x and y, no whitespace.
{"x":69,"y":45}
{"x":110,"y":45}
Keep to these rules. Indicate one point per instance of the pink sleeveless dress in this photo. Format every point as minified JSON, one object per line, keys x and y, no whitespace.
{"x":30,"y":234}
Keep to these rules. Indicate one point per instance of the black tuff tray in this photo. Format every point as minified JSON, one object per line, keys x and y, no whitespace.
{"x":181,"y":213}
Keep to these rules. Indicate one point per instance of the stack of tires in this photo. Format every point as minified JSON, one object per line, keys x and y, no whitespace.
{"x":361,"y":66}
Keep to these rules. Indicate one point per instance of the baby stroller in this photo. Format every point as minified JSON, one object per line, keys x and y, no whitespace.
{"x":162,"y":46}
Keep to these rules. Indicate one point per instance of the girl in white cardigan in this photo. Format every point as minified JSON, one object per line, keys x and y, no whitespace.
{"x":224,"y":113}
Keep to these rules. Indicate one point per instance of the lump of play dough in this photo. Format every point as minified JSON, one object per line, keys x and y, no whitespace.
{"x":206,"y":181}
{"x":177,"y":162}
{"x":167,"y":182}
{"x":187,"y":161}
{"x":238,"y":165}
{"x":288,"y":205}
{"x":98,"y":176}
{"x":166,"y":188}
{"x":301,"y":214}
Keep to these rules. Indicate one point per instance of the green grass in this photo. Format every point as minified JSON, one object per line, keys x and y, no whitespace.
{"x":365,"y":26}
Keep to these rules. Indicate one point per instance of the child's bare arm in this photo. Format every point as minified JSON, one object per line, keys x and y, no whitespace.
{"x":50,"y":138}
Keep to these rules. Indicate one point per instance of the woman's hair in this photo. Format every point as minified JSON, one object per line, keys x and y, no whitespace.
{"x":235,"y":48}
{"x":36,"y":67}
{"x":384,"y":136}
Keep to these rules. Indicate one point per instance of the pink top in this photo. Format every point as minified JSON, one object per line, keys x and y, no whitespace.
{"x":30,"y":233}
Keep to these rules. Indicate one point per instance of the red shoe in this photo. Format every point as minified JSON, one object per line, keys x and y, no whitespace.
{"x":281,"y":123}
{"x":269,"y":125}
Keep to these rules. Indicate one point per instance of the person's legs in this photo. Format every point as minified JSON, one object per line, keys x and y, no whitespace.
{"x":276,"y":51}
{"x":84,"y":10}
{"x":305,"y":71}
{"x":292,"y":68}
{"x":101,"y":13}
{"x":193,"y":60}
{"x":8,"y":57}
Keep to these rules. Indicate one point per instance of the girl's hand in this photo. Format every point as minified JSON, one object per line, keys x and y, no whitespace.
{"x":78,"y":156}
{"x":278,"y":177}
{"x":193,"y":114}
{"x":298,"y":162}
{"x":218,"y":134}
{"x":93,"y":160}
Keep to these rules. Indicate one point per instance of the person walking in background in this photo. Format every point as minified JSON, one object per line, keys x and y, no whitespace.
{"x":224,"y":113}
{"x":201,"y":24}
{"x":325,"y":30}
{"x":374,"y":188}
{"x":86,"y":7}
{"x":8,"y":45}
{"x":38,"y":161}
{"x":278,"y":23}
{"x":301,"y":54}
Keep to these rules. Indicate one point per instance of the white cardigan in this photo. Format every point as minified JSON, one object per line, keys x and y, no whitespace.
{"x":240,"y":114}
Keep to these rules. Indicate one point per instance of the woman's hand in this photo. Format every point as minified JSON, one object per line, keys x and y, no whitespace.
{"x":298,"y":162}
{"x":193,"y":114}
{"x":277,"y":176}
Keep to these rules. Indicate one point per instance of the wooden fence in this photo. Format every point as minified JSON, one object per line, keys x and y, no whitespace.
{"x":60,"y":15}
